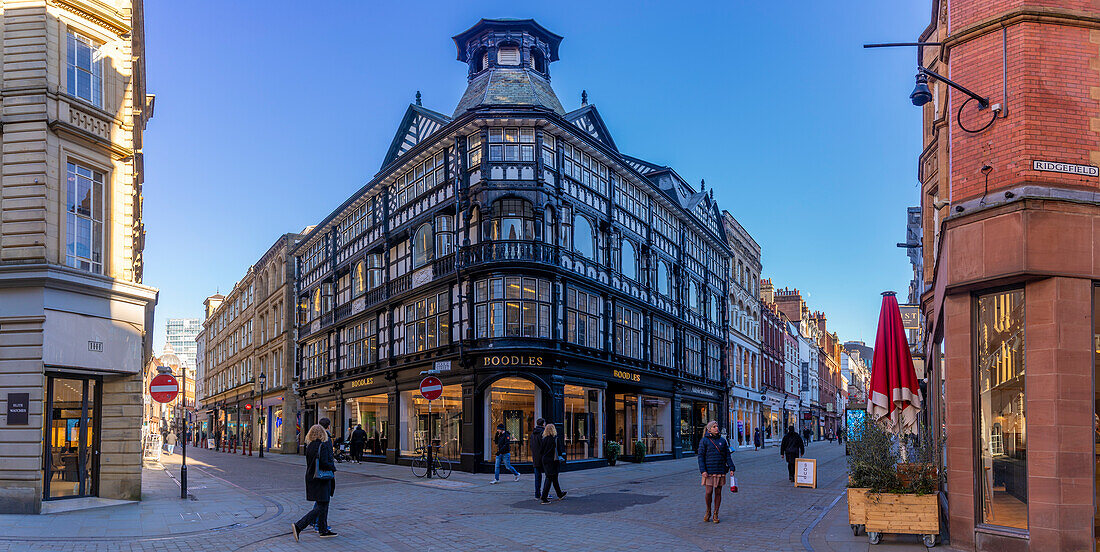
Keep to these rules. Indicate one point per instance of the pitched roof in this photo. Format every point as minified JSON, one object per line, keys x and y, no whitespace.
{"x":502,"y":86}
{"x":588,"y":119}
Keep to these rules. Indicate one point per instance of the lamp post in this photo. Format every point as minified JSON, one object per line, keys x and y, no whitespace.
{"x":263,"y":425}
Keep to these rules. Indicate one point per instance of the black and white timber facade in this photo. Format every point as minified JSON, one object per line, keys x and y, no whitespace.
{"x":543,"y":272}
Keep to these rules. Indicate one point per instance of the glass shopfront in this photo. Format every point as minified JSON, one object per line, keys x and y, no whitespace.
{"x":72,"y":451}
{"x":275,"y":437}
{"x":694,"y":417}
{"x":652,"y":414}
{"x":1002,"y":431}
{"x":516,"y":403}
{"x":373,"y":413}
{"x":445,"y":419}
{"x":329,"y":409}
{"x":583,"y":422}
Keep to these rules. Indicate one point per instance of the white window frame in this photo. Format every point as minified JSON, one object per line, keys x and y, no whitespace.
{"x":72,"y":169}
{"x":94,"y":72}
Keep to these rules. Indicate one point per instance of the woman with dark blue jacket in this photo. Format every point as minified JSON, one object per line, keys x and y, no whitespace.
{"x":714,"y":464}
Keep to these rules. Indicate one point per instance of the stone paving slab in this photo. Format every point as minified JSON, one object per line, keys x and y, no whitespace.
{"x":247,"y":504}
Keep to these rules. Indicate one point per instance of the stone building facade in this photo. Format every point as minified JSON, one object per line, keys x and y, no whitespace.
{"x":248,"y":332}
{"x":514,"y":250}
{"x":75,"y":318}
{"x":1009,"y":213}
{"x":750,"y":407}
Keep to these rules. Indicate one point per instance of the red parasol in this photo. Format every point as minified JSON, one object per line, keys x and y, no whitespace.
{"x":894,"y":392}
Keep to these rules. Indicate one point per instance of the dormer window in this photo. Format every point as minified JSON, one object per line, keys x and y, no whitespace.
{"x":508,"y":55}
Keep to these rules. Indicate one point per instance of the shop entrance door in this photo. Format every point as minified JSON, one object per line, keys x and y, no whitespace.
{"x":72,"y":446}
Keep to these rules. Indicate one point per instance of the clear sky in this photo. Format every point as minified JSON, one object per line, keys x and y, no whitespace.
{"x":270,"y":114}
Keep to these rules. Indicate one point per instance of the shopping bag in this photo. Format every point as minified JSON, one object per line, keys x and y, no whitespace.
{"x":733,"y":484}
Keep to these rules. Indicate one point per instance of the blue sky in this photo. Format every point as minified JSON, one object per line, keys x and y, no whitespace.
{"x":269,"y":115}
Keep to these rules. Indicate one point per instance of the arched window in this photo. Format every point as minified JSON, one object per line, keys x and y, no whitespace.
{"x":693,"y":296}
{"x":374,"y":270}
{"x":422,"y":245}
{"x":538,"y":61}
{"x":663,"y":282}
{"x":481,"y":60}
{"x":513,"y":219}
{"x":444,"y":235}
{"x":357,"y":281}
{"x":628,"y":260}
{"x":583,"y":238}
{"x":548,"y":226}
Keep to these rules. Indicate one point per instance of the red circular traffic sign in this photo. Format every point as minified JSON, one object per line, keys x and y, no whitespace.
{"x":431,"y":388}
{"x":164,"y":388}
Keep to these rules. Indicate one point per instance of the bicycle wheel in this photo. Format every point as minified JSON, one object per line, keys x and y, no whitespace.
{"x":419,"y":466}
{"x":442,"y":467}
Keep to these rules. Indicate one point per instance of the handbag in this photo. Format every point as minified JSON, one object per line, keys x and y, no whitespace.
{"x":318,"y":473}
{"x":560,"y":455}
{"x":733,"y":484}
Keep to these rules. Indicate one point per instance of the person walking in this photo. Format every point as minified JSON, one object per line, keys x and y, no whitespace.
{"x":170,"y":442}
{"x":358,"y":441}
{"x":757,"y":439}
{"x":714,"y":463}
{"x":552,"y":455}
{"x":503,"y":442}
{"x":792,"y":448}
{"x":536,"y":455}
{"x":319,"y":490}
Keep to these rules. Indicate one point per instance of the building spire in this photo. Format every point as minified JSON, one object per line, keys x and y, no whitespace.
{"x":702,"y":184}
{"x":418,"y":97}
{"x":584,"y":98}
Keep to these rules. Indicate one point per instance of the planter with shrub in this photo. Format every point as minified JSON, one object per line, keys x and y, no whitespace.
{"x":612,"y":450}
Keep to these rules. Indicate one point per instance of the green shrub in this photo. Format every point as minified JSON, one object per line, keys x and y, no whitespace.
{"x":874,"y":458}
{"x":612,"y":450}
{"x":639,"y":451}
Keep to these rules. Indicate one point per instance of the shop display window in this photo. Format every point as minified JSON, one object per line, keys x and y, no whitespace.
{"x":445,"y":419}
{"x":372,"y":413}
{"x":583,"y":422}
{"x":652,"y":415}
{"x":1002,"y":431}
{"x":516,"y":403}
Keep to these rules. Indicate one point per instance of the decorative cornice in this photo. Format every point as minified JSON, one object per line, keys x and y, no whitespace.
{"x":1055,"y":16}
{"x":102,"y":17}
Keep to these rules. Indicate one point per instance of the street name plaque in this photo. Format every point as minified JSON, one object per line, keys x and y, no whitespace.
{"x":1067,"y":168}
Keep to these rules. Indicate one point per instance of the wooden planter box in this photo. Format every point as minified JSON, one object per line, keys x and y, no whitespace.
{"x":908,"y":514}
{"x":857,"y":507}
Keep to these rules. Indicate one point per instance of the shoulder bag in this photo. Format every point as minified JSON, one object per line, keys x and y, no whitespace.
{"x":318,"y":473}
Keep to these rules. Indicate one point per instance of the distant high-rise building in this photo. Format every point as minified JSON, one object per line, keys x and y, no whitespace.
{"x":181,"y":337}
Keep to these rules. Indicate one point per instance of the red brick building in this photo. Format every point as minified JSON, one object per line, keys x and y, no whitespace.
{"x":772,"y":363}
{"x":1011,"y":248}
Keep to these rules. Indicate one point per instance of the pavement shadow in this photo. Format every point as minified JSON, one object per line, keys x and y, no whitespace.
{"x":598,"y":503}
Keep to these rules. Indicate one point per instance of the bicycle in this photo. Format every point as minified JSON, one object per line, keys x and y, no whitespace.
{"x":441,"y":466}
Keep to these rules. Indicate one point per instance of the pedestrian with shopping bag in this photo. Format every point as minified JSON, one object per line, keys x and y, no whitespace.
{"x":714,"y":463}
{"x":320,"y":482}
{"x":792,"y":448}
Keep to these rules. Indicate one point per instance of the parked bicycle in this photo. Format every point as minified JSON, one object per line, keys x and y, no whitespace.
{"x":441,"y":466}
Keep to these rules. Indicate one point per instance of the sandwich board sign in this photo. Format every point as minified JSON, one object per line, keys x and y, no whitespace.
{"x":805,"y":472}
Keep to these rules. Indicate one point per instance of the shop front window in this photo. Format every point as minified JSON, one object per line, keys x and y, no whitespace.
{"x":1002,"y":431}
{"x":372,"y":413}
{"x":445,"y":421}
{"x":276,"y":437}
{"x":626,"y":422}
{"x":328,"y":409}
{"x":653,"y":415}
{"x":516,"y":403}
{"x":583,"y":422}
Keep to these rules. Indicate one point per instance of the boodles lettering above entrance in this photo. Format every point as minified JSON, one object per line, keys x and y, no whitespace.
{"x":628,"y":376}
{"x":361,"y":382}
{"x":513,"y":360}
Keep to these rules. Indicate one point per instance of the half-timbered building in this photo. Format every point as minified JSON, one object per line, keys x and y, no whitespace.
{"x":542,"y":272}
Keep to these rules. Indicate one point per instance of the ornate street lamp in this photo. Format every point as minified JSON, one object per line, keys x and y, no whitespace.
{"x":263,"y":427}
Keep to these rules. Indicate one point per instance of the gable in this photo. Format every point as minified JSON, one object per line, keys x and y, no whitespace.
{"x":417,"y":125}
{"x":589,"y":120}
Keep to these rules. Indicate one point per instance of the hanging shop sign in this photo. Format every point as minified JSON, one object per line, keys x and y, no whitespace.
{"x":512,"y":360}
{"x":910,"y":316}
{"x":1067,"y":168}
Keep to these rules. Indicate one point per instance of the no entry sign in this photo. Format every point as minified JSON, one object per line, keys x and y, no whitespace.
{"x":431,"y":388}
{"x":164,"y":388}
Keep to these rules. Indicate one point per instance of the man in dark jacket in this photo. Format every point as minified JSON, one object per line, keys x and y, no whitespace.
{"x":503,"y":441}
{"x":536,"y":453}
{"x":792,"y":447}
{"x":358,"y":441}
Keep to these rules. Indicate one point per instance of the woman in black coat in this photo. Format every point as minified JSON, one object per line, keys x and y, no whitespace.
{"x":714,"y":464}
{"x":550,"y":452}
{"x":318,"y":491}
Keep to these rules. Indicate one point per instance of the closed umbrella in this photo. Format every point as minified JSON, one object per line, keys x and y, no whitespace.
{"x":895,"y":395}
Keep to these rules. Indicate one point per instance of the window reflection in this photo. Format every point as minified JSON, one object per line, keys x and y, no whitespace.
{"x":1002,"y":435}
